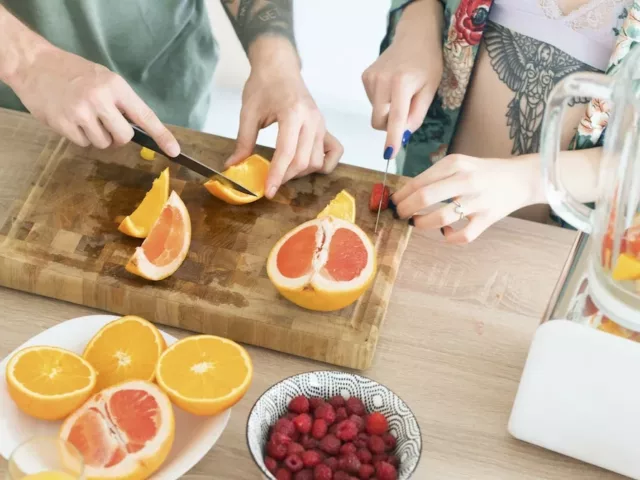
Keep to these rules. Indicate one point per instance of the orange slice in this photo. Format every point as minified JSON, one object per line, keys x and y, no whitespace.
{"x":122,"y":432}
{"x":324,"y":264}
{"x":147,"y":154}
{"x":166,"y":247}
{"x":627,"y":268}
{"x":342,"y":206}
{"x":205,"y":375}
{"x":251,"y":173}
{"x":125,"y":349}
{"x":139,"y":223}
{"x":48,"y":382}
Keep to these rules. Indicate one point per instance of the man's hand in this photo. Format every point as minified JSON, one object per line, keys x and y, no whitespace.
{"x":275,"y":92}
{"x":86,"y":102}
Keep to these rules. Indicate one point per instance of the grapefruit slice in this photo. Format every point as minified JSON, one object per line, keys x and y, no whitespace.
{"x":49,"y":382}
{"x":251,"y":173}
{"x":125,"y":349}
{"x":166,"y":247}
{"x":324,"y":264}
{"x":123,"y":432}
{"x":342,"y":206}
{"x":205,"y":374}
{"x":139,"y":223}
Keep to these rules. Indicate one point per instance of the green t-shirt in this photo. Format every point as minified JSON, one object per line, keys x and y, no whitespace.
{"x":164,"y":49}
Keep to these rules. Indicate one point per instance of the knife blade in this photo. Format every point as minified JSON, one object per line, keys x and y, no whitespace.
{"x":384,"y":186}
{"x":143,"y":139}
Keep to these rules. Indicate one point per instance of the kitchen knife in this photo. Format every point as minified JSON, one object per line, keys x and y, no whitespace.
{"x":143,"y":139}
{"x":388,"y":153}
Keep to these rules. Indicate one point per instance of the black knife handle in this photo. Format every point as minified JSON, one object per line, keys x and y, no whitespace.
{"x":143,"y":139}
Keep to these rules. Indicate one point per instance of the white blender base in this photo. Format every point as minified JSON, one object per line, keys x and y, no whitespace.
{"x":579,"y":395}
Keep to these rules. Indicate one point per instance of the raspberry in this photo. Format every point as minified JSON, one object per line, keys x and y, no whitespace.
{"x":347,"y":430}
{"x":376,"y":444}
{"x":389,"y":441}
{"x":322,"y":472}
{"x":348,"y":448}
{"x":359,"y":421}
{"x":294,"y":463}
{"x":380,"y":457}
{"x":295,"y":449}
{"x":341,"y":476}
{"x":341,"y":414}
{"x":355,"y":405}
{"x":366,"y":471}
{"x":283,"y":474}
{"x":311,"y":458}
{"x":364,"y":455}
{"x":362,"y":441}
{"x":331,"y":462}
{"x":303,"y":423}
{"x":271,"y":464}
{"x":386,"y":471}
{"x":377,"y":424}
{"x":299,"y":404}
{"x":276,"y":450}
{"x":305,"y":474}
{"x":393,"y":460}
{"x":337,"y":401}
{"x":280,"y":438}
{"x":315,"y":402}
{"x":330,"y":444}
{"x":349,"y":463}
{"x":290,"y":416}
{"x":326,"y":413}
{"x":308,"y":442}
{"x":319,"y":429}
{"x":333,"y":429}
{"x":285,"y":426}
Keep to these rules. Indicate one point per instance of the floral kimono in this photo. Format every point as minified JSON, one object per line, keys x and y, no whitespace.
{"x":465,"y":22}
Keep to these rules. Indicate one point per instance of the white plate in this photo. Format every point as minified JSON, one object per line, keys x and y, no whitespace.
{"x":194,"y":437}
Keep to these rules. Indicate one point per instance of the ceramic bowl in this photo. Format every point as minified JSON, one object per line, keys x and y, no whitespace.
{"x":377,"y":398}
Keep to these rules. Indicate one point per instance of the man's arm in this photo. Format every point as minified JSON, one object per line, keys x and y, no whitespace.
{"x":254,"y":18}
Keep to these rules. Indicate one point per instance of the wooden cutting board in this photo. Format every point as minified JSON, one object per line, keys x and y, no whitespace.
{"x":62,"y":241}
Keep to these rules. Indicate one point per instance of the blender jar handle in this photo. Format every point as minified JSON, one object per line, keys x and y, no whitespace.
{"x":594,"y":85}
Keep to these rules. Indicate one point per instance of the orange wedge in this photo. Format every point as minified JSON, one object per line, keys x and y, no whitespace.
{"x":139,"y":223}
{"x":342,"y":206}
{"x":204,"y":375}
{"x":48,"y":382}
{"x":167,"y":244}
{"x":627,"y":268}
{"x":125,"y":349}
{"x":251,"y":173}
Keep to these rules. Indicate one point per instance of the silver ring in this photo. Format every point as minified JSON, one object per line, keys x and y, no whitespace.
{"x":458,"y":209}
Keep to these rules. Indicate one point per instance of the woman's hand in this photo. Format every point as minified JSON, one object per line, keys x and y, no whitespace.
{"x":486,"y":190}
{"x":402,"y":82}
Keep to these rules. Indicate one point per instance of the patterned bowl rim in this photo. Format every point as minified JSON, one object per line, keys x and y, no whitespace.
{"x":267,"y":473}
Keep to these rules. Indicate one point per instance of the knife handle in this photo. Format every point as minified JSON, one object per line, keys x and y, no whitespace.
{"x":143,"y":139}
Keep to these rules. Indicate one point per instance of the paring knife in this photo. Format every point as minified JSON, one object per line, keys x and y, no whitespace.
{"x":143,"y":139}
{"x":388,"y":152}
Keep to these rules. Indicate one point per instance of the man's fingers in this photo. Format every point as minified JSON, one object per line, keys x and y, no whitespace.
{"x":247,"y":137}
{"x":333,"y":151}
{"x":288,"y":132}
{"x":94,"y":130}
{"x":141,"y":114}
{"x":117,"y":126}
{"x":73,"y":132}
{"x":302,"y":157}
{"x":316,"y":159}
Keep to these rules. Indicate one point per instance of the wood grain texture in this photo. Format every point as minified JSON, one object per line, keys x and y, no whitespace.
{"x":453,"y":346}
{"x":62,"y":241}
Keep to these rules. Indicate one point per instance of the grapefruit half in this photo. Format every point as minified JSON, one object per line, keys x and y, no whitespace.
{"x":324,"y":264}
{"x":122,"y":432}
{"x":166,"y":247}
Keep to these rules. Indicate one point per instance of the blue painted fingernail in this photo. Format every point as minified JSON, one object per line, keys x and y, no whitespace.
{"x":406,"y":136}
{"x":411,"y":222}
{"x":392,"y":207}
{"x":388,"y":152}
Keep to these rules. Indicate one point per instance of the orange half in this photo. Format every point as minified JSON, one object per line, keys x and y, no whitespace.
{"x":139,"y":223}
{"x":342,"y":206}
{"x":167,"y":244}
{"x":251,"y":173}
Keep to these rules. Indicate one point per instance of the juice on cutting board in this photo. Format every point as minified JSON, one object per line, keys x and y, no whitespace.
{"x":49,"y":476}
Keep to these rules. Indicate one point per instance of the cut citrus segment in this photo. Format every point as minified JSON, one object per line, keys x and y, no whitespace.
{"x":167,"y":244}
{"x":251,"y":173}
{"x":49,"y":382}
{"x":342,"y":206}
{"x":324,"y":264}
{"x":125,"y":349}
{"x":627,"y":268}
{"x":123,"y":432}
{"x":204,"y":374}
{"x":139,"y":223}
{"x":147,"y":154}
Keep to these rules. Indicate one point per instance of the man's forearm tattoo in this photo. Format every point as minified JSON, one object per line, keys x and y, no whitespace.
{"x":254,"y":18}
{"x":530,"y":68}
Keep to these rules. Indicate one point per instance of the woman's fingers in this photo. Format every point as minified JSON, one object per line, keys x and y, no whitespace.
{"x":381,"y":105}
{"x":477,"y":224}
{"x":401,"y":92}
{"x":448,"y":214}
